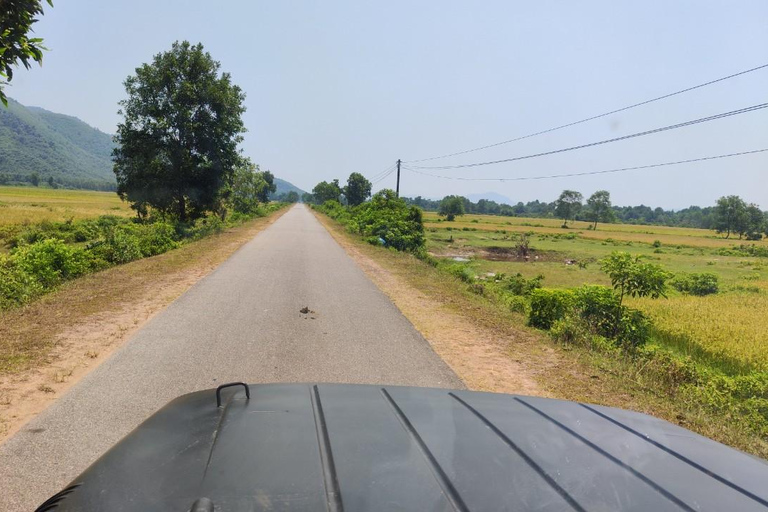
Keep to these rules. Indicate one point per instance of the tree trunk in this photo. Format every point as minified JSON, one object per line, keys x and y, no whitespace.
{"x":182,"y":209}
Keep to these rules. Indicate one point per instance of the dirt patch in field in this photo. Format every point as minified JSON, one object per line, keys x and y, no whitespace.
{"x":485,"y":359}
{"x":52,"y":343}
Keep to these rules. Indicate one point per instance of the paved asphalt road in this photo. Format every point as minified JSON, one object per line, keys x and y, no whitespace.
{"x":242,"y":322}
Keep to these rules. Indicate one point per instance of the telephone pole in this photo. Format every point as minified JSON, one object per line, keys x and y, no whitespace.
{"x":397,"y":190}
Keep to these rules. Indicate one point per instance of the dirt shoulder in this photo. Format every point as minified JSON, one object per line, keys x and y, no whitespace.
{"x":486,"y":357}
{"x":49,"y":345}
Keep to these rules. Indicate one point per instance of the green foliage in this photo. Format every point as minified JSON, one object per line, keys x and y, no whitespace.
{"x":248,"y":187}
{"x":451,"y":207}
{"x":598,"y":306}
{"x":599,"y":208}
{"x":519,"y":285}
{"x":548,"y":306}
{"x":51,"y":261}
{"x":631,"y":276}
{"x":17,"y":287}
{"x":704,"y":283}
{"x":568,"y":205}
{"x":177,"y":144}
{"x":461,"y":271}
{"x":325,"y":191}
{"x":16,"y":47}
{"x":44,"y":255}
{"x":358,"y":189}
{"x":730,"y":213}
{"x":53,"y":146}
{"x":389,"y":219}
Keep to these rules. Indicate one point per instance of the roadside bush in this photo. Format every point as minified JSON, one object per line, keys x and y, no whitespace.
{"x":705,"y":283}
{"x":634,"y":329}
{"x":516,"y":303}
{"x":387,"y":217}
{"x":548,"y":306}
{"x":571,"y":330}
{"x":51,"y":261}
{"x":598,"y":306}
{"x":119,"y":246}
{"x":16,"y":286}
{"x":156,"y":238}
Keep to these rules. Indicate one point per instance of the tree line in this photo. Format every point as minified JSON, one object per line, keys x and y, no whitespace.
{"x":731,"y":215}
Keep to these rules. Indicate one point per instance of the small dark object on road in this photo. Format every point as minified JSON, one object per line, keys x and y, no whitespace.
{"x":304,"y":310}
{"x":333,"y":447}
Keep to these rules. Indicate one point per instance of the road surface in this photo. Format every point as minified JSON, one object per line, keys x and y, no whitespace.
{"x":241,"y":323}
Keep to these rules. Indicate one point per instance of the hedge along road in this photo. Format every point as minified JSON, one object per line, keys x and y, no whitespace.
{"x":241,"y":323}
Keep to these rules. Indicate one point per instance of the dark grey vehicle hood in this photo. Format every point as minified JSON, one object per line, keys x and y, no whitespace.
{"x":363,"y":448}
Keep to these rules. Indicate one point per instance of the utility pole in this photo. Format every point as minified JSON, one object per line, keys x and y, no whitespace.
{"x":397,"y":190}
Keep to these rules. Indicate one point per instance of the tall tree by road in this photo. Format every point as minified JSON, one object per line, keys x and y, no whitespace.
{"x":16,"y":47}
{"x":568,"y":205}
{"x":177,"y":144}
{"x":325,"y":191}
{"x":358,"y":189}
{"x":730,"y":213}
{"x":599,"y":207}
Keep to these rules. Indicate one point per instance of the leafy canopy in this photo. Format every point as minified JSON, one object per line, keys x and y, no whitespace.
{"x":16,"y":47}
{"x":451,"y":206}
{"x":325,"y":191}
{"x":249,"y":187}
{"x":358,"y":189}
{"x":568,"y":205}
{"x":599,"y":207}
{"x":631,"y":276}
{"x":177,"y":144}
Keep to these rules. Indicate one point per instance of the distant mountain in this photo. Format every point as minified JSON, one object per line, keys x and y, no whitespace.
{"x":491,"y":196}
{"x":36,"y":142}
{"x":283,"y":187}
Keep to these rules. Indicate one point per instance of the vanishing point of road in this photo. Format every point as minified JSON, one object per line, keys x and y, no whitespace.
{"x":240,"y":323}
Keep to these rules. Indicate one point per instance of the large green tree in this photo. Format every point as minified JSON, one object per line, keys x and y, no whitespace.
{"x":325,"y":191}
{"x":248,"y":187}
{"x":451,"y":207}
{"x":568,"y":205}
{"x":358,"y":189}
{"x":730,"y":213}
{"x":177,"y":143}
{"x":16,"y":47}
{"x":599,"y":207}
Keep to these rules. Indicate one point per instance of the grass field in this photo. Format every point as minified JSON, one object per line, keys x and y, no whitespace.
{"x":726,"y":330}
{"x":25,"y":205}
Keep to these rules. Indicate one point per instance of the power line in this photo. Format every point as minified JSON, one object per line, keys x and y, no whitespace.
{"x":598,"y":143}
{"x":587,"y":173}
{"x":549,"y":130}
{"x":379,"y":174}
{"x":387,"y":175}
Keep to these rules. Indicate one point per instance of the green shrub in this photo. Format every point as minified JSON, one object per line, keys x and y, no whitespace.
{"x":704,"y":283}
{"x":516,"y":303}
{"x":634,"y":329}
{"x":519,"y":285}
{"x":17,"y":287}
{"x":463,"y":272}
{"x":598,"y":306}
{"x":389,"y":219}
{"x":548,"y":305}
{"x":571,"y":330}
{"x":51,"y":261}
{"x":119,"y":246}
{"x":156,"y":238}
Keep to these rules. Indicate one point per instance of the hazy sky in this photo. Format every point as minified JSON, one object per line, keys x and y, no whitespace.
{"x":337,"y":87}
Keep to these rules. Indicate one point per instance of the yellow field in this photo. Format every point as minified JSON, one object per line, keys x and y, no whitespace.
{"x":728,"y":328}
{"x":22,"y":205}
{"x":625,"y":232}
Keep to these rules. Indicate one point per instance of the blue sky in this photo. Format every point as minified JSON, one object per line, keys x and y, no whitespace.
{"x":337,"y":87}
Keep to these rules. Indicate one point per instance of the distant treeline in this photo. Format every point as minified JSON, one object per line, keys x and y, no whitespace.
{"x":57,"y":182}
{"x":693,"y":216}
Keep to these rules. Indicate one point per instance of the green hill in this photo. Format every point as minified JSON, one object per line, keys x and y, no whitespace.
{"x":37,"y":143}
{"x":283,"y":187}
